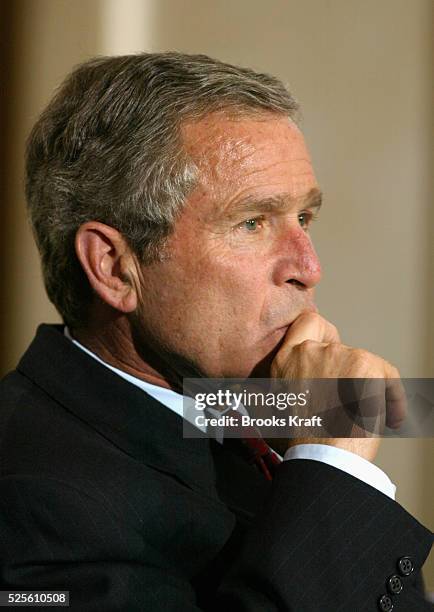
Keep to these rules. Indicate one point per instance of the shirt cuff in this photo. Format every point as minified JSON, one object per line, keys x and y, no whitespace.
{"x":346,"y":461}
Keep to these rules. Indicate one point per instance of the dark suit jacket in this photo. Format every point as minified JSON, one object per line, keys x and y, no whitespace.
{"x":101,"y":495}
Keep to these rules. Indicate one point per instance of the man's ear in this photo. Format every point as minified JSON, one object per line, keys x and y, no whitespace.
{"x":108,"y":263}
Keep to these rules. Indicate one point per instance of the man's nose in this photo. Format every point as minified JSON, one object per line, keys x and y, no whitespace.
{"x":298,"y":263}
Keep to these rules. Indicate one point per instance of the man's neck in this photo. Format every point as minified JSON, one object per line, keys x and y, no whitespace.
{"x":113,"y":343}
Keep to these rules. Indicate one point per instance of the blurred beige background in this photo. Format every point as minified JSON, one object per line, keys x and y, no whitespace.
{"x":363,"y":72}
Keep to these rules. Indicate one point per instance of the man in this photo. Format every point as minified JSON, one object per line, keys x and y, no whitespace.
{"x":171,"y":197}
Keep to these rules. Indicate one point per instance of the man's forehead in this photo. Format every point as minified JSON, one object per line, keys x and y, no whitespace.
{"x":221,"y":136}
{"x":248,"y":157}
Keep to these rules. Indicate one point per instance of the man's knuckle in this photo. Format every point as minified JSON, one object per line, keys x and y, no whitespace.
{"x":333,"y":329}
{"x":334,"y":348}
{"x":361,"y":355}
{"x":306,"y":345}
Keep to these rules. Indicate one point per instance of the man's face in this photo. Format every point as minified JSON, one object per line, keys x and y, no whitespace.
{"x":242,"y":266}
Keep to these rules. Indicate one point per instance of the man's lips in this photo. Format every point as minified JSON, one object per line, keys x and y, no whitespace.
{"x":305,"y":309}
{"x":282,"y":329}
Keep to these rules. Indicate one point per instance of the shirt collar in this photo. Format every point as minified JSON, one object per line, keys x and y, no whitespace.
{"x":180,"y":404}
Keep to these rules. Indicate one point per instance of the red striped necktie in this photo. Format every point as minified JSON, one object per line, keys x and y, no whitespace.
{"x":261,"y":454}
{"x":258,"y":452}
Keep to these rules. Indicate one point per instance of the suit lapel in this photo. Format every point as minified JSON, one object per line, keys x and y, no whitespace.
{"x":119,"y":411}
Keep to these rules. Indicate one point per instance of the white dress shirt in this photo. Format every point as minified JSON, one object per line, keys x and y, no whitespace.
{"x":337,"y":457}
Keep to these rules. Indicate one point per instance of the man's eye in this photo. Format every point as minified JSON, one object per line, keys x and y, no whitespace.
{"x":305,"y":219}
{"x":251,"y":225}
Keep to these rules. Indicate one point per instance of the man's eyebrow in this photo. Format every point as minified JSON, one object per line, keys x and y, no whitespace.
{"x":278,"y":203}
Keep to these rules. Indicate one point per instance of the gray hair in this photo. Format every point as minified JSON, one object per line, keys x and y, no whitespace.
{"x":108,"y":148}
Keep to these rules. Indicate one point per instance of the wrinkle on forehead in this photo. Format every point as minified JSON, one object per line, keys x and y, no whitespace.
{"x":214,"y":149}
{"x":225,"y":151}
{"x":234,"y":155}
{"x":218,"y":138}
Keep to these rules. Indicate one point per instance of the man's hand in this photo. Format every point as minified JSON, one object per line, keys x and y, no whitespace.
{"x":312,"y":349}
